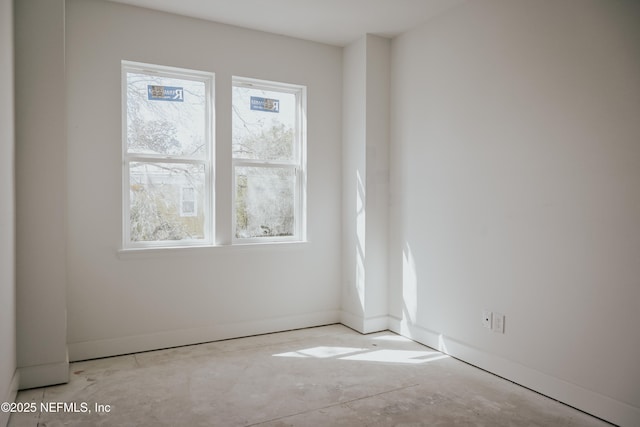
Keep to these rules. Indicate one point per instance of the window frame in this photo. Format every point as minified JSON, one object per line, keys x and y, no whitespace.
{"x":298,"y":164}
{"x":208,"y":160}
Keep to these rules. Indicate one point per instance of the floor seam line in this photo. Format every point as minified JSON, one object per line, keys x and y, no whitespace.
{"x":347,"y":402}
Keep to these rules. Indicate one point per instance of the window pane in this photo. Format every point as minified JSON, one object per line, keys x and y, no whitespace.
{"x":263,"y":124}
{"x":264,"y":202}
{"x":157,"y":201}
{"x":166,"y":115}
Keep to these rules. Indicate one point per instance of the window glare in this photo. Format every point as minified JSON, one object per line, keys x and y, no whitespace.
{"x":264,"y":202}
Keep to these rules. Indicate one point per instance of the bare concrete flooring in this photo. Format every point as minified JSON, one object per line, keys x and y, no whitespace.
{"x":326,"y":376}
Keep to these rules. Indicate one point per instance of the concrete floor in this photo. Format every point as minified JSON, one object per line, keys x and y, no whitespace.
{"x":326,"y":376}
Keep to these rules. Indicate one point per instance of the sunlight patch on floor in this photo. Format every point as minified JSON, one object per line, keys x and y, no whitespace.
{"x":366,"y":355}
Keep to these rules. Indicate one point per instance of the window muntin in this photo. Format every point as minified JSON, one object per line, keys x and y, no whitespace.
{"x":167,"y":147}
{"x":268,"y":145}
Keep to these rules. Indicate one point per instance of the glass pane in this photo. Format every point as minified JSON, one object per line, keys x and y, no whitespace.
{"x":264,"y":123}
{"x":264,"y":202}
{"x":166,"y":201}
{"x":165,"y":115}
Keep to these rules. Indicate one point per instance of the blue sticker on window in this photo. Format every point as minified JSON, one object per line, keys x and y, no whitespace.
{"x":265,"y":104}
{"x":165,"y":93}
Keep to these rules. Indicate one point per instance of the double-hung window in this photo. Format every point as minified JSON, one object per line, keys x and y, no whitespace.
{"x":268,"y":161}
{"x":167,"y":156}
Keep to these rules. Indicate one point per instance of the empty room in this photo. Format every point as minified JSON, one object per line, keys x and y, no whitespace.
{"x":320,"y":213}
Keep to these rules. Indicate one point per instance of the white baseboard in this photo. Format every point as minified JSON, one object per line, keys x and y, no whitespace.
{"x":116,"y":346}
{"x":376,"y":324}
{"x":591,"y":402}
{"x":364,"y":325}
{"x":352,"y":321}
{"x":10,"y":396}
{"x":44,"y":375}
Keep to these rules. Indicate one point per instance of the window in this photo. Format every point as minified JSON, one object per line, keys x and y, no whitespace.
{"x":167,"y":156}
{"x":268,"y":147}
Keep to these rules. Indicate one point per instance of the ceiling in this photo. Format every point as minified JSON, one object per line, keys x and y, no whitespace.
{"x":336,"y":22}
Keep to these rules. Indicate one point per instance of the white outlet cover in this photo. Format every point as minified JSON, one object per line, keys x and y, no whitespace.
{"x":498,"y":323}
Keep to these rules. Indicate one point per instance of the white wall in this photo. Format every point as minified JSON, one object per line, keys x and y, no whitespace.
{"x":41,"y":193}
{"x":516,"y":177}
{"x":8,"y":377}
{"x":377,"y":180}
{"x":365,"y":183}
{"x":128,"y":302}
{"x":354,"y":98}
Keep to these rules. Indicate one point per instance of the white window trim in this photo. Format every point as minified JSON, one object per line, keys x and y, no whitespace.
{"x":208,"y":79}
{"x":299,"y":164}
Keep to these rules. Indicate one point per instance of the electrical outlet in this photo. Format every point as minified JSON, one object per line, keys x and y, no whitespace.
{"x":486,"y":318}
{"x":498,"y":323}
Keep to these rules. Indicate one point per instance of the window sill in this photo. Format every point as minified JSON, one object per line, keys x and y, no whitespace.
{"x":172,"y":251}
